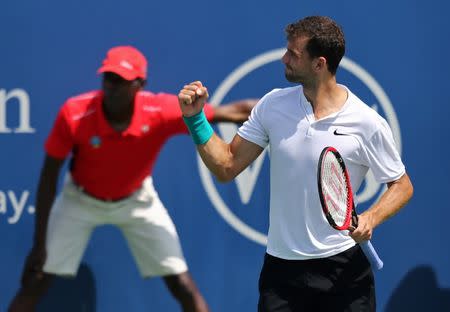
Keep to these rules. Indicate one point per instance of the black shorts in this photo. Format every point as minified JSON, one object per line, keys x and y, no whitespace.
{"x":339,"y":283}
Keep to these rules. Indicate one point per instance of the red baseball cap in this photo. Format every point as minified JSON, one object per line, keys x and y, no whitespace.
{"x":125,"y":61}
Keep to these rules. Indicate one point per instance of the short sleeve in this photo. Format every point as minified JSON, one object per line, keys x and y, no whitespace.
{"x":381,"y":155}
{"x":60,"y":141}
{"x":170,"y":113}
{"x":253,"y":129}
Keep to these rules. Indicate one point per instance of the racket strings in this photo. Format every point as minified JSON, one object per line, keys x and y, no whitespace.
{"x":335,"y":190}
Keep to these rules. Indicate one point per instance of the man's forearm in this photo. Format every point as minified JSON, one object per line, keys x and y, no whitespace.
{"x":396,"y":196}
{"x":44,"y":201}
{"x":217,"y":157}
{"x":237,"y":111}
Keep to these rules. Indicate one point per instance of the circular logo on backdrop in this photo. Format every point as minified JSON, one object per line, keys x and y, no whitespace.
{"x":370,"y":190}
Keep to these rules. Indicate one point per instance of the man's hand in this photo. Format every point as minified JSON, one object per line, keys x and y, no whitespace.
{"x":34,"y":264}
{"x":364,"y":230}
{"x":192,"y":98}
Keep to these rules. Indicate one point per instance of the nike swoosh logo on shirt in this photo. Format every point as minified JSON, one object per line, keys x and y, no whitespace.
{"x":338,"y":133}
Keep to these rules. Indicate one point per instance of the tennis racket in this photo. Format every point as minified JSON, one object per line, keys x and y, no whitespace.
{"x":336,"y":197}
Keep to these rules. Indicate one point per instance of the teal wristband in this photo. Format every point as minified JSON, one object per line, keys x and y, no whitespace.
{"x":199,"y":127}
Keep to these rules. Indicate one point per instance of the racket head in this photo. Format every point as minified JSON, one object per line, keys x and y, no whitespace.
{"x":335,"y":190}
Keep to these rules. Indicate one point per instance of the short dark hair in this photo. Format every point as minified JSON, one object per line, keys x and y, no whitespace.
{"x":326,"y":38}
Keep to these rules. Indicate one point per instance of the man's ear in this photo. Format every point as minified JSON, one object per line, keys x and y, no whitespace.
{"x":320,"y":63}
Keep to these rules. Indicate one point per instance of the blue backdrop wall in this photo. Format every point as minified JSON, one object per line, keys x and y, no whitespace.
{"x":397,"y":61}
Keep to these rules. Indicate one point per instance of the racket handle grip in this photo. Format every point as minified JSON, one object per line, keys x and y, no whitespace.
{"x":371,"y":255}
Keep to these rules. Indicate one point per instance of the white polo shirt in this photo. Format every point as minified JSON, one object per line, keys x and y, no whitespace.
{"x":284,"y":121}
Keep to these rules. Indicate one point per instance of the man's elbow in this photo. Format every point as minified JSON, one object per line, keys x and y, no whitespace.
{"x":407,"y":188}
{"x":410,"y":191}
{"x":225,"y":175}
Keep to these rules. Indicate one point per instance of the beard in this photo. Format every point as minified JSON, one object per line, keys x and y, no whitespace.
{"x":292,"y":76}
{"x":296,"y":76}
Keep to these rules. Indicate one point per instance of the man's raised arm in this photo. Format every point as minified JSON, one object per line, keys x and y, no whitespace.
{"x":224,"y":160}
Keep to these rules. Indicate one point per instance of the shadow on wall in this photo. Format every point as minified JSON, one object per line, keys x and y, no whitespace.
{"x":419,"y":291}
{"x":71,"y":294}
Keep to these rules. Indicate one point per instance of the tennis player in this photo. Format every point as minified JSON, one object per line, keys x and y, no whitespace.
{"x":308,"y":266}
{"x":113,"y":137}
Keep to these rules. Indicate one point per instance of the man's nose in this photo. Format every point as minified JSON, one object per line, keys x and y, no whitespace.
{"x":284,"y":58}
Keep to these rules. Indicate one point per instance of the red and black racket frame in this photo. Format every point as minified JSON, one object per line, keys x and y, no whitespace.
{"x":351,"y":218}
